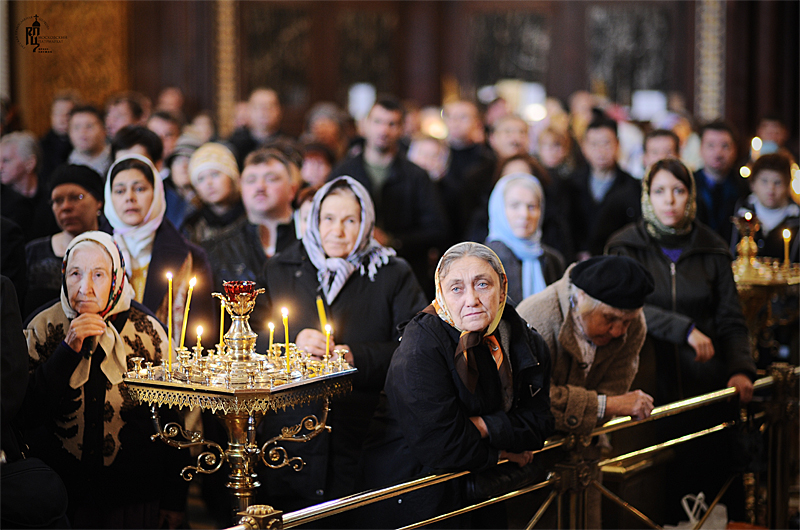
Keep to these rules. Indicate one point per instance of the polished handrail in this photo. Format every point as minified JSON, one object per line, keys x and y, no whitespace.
{"x":319,"y":511}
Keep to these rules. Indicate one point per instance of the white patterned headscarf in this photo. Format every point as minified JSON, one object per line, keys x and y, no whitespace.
{"x":367,"y":255}
{"x":119,"y":300}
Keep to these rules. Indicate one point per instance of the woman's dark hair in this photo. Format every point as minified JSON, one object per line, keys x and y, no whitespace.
{"x":133,"y":163}
{"x":537,"y":169}
{"x":674,"y":166}
{"x":774,"y":162}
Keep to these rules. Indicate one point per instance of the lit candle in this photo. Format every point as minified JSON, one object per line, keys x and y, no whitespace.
{"x":221,"y":320}
{"x":285,"y":314}
{"x":169,"y":322}
{"x":748,"y":216}
{"x":199,"y":334}
{"x":271,"y":334}
{"x":323,"y":320}
{"x":756,"y":144}
{"x":192,"y":282}
{"x":787,"y":235}
{"x":327,"y":341}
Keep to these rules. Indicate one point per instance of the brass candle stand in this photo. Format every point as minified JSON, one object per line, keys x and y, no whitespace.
{"x":759,"y":280}
{"x":239,"y":386}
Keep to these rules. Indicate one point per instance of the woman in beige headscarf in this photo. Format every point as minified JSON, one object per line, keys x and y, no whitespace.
{"x":81,"y":421}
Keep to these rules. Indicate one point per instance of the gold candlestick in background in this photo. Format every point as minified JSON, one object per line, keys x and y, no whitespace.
{"x":169,"y":323}
{"x":192,"y":283}
{"x":199,"y":335}
{"x":221,"y":320}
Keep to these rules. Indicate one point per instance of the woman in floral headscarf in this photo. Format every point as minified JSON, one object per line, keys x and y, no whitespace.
{"x":468,"y":385}
{"x":366,"y":293}
{"x":81,"y":422}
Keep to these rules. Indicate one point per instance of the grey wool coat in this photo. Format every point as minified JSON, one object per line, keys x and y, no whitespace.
{"x":573,"y":391}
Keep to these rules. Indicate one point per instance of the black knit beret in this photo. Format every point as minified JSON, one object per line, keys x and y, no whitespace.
{"x":617,"y":281}
{"x":83,"y":176}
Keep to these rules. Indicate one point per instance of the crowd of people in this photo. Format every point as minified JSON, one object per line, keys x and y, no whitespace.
{"x":531,"y":271}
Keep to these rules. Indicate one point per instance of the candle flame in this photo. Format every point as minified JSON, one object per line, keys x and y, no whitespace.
{"x":169,"y":275}
{"x":192,"y":282}
{"x":328,"y":328}
{"x":756,"y":143}
{"x":748,"y":216}
{"x":787,"y":235}
{"x":271,"y":326}
{"x":284,"y":312}
{"x":199,"y":330}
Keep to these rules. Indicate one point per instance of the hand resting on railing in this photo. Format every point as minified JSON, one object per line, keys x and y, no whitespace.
{"x":635,"y":404}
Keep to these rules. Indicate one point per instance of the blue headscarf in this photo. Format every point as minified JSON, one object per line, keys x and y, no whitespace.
{"x":526,"y":250}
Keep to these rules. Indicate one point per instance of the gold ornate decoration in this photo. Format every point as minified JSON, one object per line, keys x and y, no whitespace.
{"x":710,"y":59}
{"x":207,"y":462}
{"x":277,"y":457}
{"x":227,"y":51}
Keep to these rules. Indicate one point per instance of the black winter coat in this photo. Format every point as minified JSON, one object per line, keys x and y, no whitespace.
{"x":423,"y":422}
{"x":552,"y":268}
{"x":698,"y":289}
{"x":365,"y":315}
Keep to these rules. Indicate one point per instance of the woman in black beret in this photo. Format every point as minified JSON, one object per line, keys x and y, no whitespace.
{"x":77,"y":202}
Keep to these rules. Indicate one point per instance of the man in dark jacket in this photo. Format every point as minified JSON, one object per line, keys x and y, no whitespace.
{"x":601,"y":190}
{"x":719,"y":187}
{"x":409,"y":215}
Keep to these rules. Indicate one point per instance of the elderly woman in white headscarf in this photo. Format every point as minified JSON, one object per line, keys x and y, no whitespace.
{"x":80,"y":420}
{"x":152,"y":246}
{"x":366,"y":293}
{"x":516,"y":212}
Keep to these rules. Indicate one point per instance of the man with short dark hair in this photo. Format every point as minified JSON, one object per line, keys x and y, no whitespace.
{"x":409,"y":216}
{"x":137,"y":140}
{"x":264,"y":115}
{"x":24,"y":200}
{"x":598,"y":186}
{"x":122,"y":110}
{"x":168,"y":128}
{"x":719,"y":186}
{"x":660,"y":144}
{"x":88,"y":136}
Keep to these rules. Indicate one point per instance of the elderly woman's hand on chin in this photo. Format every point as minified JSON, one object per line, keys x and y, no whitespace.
{"x":86,"y":325}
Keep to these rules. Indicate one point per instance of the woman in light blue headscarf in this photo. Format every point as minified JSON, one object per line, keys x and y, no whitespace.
{"x":516,"y":208}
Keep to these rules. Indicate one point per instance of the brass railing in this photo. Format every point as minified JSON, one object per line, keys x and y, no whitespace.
{"x":781,"y":408}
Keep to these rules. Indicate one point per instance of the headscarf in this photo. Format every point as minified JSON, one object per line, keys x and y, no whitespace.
{"x":119,"y":300}
{"x":527,"y":250}
{"x":136,"y":242}
{"x":214,"y":156}
{"x":656,"y":228}
{"x":466,"y":365}
{"x":367,"y":255}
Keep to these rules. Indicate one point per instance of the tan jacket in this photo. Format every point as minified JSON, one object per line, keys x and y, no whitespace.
{"x":573,"y":393}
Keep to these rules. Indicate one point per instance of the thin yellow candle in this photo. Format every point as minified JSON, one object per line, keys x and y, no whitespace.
{"x":199,"y":334}
{"x":787,"y":235}
{"x":271,"y":334}
{"x":192,"y":282}
{"x":327,"y":341}
{"x":285,"y":314}
{"x":169,"y":322}
{"x":323,"y":320}
{"x":221,"y":319}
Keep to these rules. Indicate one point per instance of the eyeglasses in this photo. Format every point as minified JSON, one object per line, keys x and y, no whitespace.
{"x":60,"y":200}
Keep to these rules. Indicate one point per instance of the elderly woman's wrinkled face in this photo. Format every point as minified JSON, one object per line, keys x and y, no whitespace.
{"x":88,"y":278}
{"x":339,"y":224}
{"x":472,"y":291}
{"x":523,"y":210}
{"x":132,"y":194}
